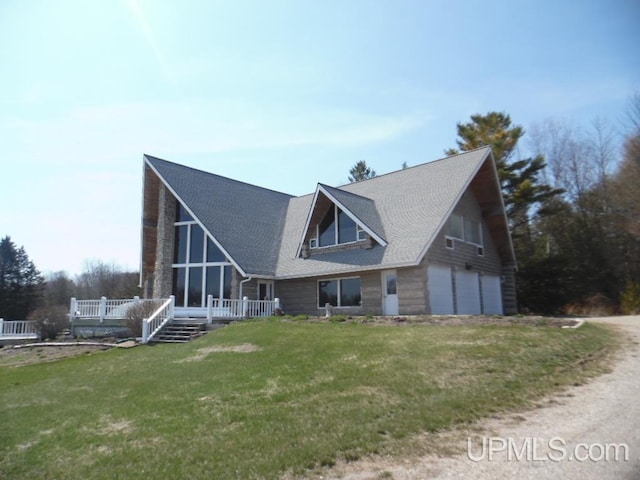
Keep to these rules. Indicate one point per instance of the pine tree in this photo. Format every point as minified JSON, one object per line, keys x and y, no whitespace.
{"x":21,"y":284}
{"x":360,"y":171}
{"x":520,"y":179}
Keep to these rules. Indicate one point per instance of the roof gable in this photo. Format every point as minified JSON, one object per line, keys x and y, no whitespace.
{"x":245,"y":221}
{"x":360,"y":209}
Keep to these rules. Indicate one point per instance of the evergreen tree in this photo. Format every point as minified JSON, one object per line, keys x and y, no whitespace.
{"x":21,"y":285}
{"x":360,"y":171}
{"x":520,"y":179}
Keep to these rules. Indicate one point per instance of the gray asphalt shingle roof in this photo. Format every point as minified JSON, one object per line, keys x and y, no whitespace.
{"x":261,"y":229}
{"x":245,"y":219}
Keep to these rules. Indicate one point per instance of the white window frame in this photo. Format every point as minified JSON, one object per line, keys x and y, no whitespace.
{"x":339,"y":294}
{"x":314,"y":242}
{"x":204,"y":264}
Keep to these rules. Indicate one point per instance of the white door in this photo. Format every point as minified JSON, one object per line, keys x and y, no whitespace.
{"x":440,"y":290}
{"x":468,"y":293}
{"x":491,"y":295}
{"x":390,"y":293}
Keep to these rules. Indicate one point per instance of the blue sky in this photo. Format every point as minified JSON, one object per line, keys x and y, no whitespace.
{"x":282,"y":94}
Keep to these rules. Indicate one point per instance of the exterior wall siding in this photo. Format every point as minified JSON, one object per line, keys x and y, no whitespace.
{"x":300,"y":296}
{"x":412,"y":290}
{"x":465,"y":253}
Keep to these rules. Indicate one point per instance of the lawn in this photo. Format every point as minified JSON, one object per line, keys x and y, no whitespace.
{"x":258,"y":399}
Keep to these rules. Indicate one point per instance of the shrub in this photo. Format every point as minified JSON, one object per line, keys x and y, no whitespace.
{"x":138,"y":312}
{"x":51,"y":321}
{"x":631,"y":299}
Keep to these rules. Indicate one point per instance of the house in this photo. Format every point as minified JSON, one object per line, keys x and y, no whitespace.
{"x":429,"y":239}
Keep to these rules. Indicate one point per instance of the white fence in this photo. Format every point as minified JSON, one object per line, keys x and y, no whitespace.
{"x":18,"y":328}
{"x":241,"y":308}
{"x":106,"y":309}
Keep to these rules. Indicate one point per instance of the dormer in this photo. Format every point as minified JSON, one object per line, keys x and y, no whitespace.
{"x":339,"y":220}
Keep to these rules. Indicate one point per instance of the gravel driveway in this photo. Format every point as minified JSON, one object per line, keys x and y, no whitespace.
{"x":582,"y":434}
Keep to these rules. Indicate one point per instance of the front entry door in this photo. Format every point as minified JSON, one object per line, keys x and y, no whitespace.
{"x":265,"y":290}
{"x":390,"y":293}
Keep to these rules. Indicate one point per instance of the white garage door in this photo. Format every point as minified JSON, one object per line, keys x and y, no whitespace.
{"x":491,"y":295}
{"x":440,"y":291}
{"x":468,"y":293}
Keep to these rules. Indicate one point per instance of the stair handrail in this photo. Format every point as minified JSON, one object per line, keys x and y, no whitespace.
{"x":163,"y":315}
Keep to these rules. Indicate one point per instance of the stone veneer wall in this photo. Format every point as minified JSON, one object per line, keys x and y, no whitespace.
{"x":163,"y":274}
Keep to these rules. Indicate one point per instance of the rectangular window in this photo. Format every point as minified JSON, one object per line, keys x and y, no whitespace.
{"x":179,"y":279}
{"x":227,"y":282}
{"x":455,"y":228}
{"x":180,"y":245}
{"x":339,"y":293}
{"x":362,"y":235}
{"x":194,"y":295}
{"x":327,"y":228}
{"x":350,"y":292}
{"x":196,"y":244}
{"x":213,"y":281}
{"x":347,"y":230}
{"x":448,"y":242}
{"x":472,"y":231}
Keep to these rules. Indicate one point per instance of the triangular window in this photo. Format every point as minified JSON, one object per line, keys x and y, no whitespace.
{"x":335,"y":228}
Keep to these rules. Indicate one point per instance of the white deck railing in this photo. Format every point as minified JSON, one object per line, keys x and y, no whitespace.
{"x":240,"y":308}
{"x":104,"y":309}
{"x":163,"y":315}
{"x":18,"y":328}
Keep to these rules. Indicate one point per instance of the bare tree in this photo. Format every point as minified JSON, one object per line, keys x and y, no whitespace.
{"x":106,"y":279}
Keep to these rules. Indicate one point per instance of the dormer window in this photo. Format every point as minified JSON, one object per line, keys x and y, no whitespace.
{"x":336,"y":228}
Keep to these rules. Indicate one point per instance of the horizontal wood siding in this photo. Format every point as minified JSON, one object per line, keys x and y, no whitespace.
{"x":412,"y":290}
{"x":465,"y":253}
{"x":300,"y":296}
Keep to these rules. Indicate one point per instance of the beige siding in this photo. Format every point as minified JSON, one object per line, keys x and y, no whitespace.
{"x":464,"y":253}
{"x":412,"y":290}
{"x":300,"y":296}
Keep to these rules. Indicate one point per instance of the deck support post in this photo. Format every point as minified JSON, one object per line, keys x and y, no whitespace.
{"x":245,"y":307}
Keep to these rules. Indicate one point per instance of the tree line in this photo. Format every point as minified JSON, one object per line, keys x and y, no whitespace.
{"x":25,"y":293}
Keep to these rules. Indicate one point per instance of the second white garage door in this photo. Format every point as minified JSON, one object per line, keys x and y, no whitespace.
{"x":468,"y":293}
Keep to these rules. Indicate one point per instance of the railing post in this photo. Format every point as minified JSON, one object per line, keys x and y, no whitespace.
{"x":1,"y":326}
{"x":276,"y":306}
{"x":136,"y":300}
{"x":209,"y":308}
{"x":73,"y":308}
{"x":245,"y":307}
{"x":145,"y":330}
{"x":103,"y":309}
{"x":170,"y":313}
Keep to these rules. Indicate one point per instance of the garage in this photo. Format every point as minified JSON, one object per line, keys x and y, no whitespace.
{"x":440,"y":290}
{"x":491,"y":295}
{"x":463,"y":292}
{"x":468,"y":293}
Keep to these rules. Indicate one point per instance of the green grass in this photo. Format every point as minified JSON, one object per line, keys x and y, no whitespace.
{"x":290,"y":396}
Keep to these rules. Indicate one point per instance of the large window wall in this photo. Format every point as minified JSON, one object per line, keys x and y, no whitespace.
{"x":199,"y":266}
